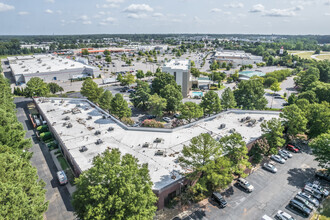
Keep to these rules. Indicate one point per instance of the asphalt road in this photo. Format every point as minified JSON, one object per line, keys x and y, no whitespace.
{"x":58,"y":196}
{"x":272,"y":192}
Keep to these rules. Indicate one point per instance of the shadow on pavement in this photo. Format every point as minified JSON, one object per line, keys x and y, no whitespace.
{"x":294,"y":211}
{"x":229,"y":192}
{"x":200,"y":214}
{"x":298,"y":176}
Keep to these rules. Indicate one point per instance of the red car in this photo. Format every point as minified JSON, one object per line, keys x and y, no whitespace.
{"x":292,"y":148}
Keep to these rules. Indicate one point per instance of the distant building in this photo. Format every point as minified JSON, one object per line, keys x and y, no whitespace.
{"x":49,"y":68}
{"x":180,"y":69}
{"x":236,"y":57}
{"x":247,"y":74}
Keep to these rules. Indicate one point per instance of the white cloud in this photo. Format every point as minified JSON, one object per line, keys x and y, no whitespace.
{"x":227,"y":13}
{"x":298,"y":8}
{"x":84,"y":17}
{"x":327,"y":2}
{"x":59,"y":12}
{"x":4,"y":7}
{"x":115,"y":1}
{"x":135,"y":8}
{"x":280,"y":12}
{"x":257,"y":8}
{"x":234,"y":5}
{"x":197,"y":19}
{"x":49,"y":11}
{"x":136,"y":16}
{"x":23,"y":13}
{"x":112,"y":5}
{"x":110,"y":19}
{"x":157,"y":15}
{"x":87,"y":22}
{"x":327,"y":14}
{"x":216,"y":10}
{"x":103,"y":23}
{"x":176,"y":20}
{"x":50,"y":1}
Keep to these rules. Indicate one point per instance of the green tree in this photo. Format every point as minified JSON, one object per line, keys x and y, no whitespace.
{"x":324,"y":68}
{"x":308,"y":95}
{"x":108,"y":59}
{"x":141,"y":97}
{"x":36,"y":87}
{"x":173,"y":97}
{"x":105,"y":100}
{"x":228,"y":99}
{"x":161,"y":80}
{"x":275,"y":87}
{"x":190,"y":110}
{"x":106,"y":52}
{"x":202,"y":150}
{"x":22,"y":194}
{"x":292,"y":99}
{"x":128,"y":79}
{"x":294,"y":120}
{"x":318,"y":116}
{"x":85,"y":52}
{"x":91,"y":90}
{"x":54,"y":88}
{"x":139,"y":74}
{"x":321,"y":89}
{"x":119,"y":107}
{"x":303,"y":104}
{"x":119,"y":77}
{"x":157,"y":105}
{"x":250,"y":95}
{"x":273,"y":132}
{"x":115,"y":187}
{"x":321,"y":150}
{"x":149,"y":74}
{"x":211,"y":103}
{"x":305,"y":78}
{"x":236,"y":151}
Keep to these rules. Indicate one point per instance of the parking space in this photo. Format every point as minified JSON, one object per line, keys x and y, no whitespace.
{"x":272,"y":192}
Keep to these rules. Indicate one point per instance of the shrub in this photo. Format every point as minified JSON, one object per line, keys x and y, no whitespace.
{"x":45,"y":136}
{"x":42,"y":128}
{"x":127,"y":121}
{"x":152,"y":123}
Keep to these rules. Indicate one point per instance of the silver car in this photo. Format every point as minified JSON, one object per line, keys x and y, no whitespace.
{"x":278,"y":159}
{"x":270,"y":167}
{"x":287,"y":153}
{"x":280,"y":215}
{"x":309,"y":198}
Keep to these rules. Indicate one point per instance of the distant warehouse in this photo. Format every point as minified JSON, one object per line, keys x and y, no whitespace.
{"x":49,"y":68}
{"x":236,"y":57}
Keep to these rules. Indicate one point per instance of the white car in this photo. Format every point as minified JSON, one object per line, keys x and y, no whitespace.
{"x":287,"y":153}
{"x":277,"y":158}
{"x":167,"y":119}
{"x":283,"y":216}
{"x":245,"y":184}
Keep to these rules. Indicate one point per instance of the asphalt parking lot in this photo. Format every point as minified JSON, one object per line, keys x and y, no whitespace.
{"x":272,"y":192}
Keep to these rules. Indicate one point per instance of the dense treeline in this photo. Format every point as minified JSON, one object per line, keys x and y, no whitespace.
{"x":22,"y":194}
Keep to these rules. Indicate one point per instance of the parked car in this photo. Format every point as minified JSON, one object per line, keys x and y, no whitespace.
{"x":310,"y":199}
{"x":300,"y":207}
{"x":177,"y":115}
{"x":292,"y":148}
{"x":278,"y":159}
{"x":318,"y":188}
{"x":61,"y":176}
{"x":313,"y":193}
{"x":217,"y":197}
{"x":284,"y":156}
{"x":245,"y":184}
{"x":323,"y":174}
{"x":131,"y":91}
{"x":304,"y":201}
{"x":280,"y":215}
{"x":151,"y":116}
{"x":270,"y":167}
{"x":287,"y":153}
{"x":136,"y":124}
{"x":167,"y":119}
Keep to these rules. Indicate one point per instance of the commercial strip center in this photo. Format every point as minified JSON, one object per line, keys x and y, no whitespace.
{"x":83,"y":131}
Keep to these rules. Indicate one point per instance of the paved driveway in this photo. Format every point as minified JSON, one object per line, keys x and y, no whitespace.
{"x":272,"y":192}
{"x":58,"y":196}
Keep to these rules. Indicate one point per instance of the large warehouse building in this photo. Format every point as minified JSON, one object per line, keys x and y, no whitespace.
{"x":236,"y":57}
{"x":49,"y":68}
{"x":83,"y":131}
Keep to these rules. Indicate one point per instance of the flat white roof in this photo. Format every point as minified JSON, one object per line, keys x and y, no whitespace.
{"x":42,"y":63}
{"x":162,"y":168}
{"x":177,"y":64}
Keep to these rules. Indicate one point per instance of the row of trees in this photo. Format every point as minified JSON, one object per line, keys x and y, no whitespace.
{"x":22,"y":194}
{"x":37,"y":87}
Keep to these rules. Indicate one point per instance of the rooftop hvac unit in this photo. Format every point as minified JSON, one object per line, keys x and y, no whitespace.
{"x":97,"y":132}
{"x":146,"y":145}
{"x":89,"y":117}
{"x":66,"y":118}
{"x":66,"y":62}
{"x":72,"y":64}
{"x":232,"y":130}
{"x":159,"y":153}
{"x":48,"y":67}
{"x":248,"y":118}
{"x":26,"y":70}
{"x":53,"y":58}
{"x":261,"y":118}
{"x":20,"y":64}
{"x":110,"y":128}
{"x":69,"y":125}
{"x":23,"y":66}
{"x":99,"y":141}
{"x":83,"y":149}
{"x":222,"y":126}
{"x":60,"y":60}
{"x":44,"y":64}
{"x":104,"y":116}
{"x":158,"y":140}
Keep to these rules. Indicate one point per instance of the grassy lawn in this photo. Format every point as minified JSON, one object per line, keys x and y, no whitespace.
{"x":323,"y":57}
{"x":308,"y":54}
{"x":63,"y":162}
{"x":325,"y":212}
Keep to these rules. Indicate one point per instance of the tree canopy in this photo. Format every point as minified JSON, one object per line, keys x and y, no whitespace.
{"x":157,"y":105}
{"x":161,"y":80}
{"x":321,"y":150}
{"x":105,"y":100}
{"x":190,"y":110}
{"x":173,"y":97}
{"x":119,"y":106}
{"x":294,"y":120}
{"x":273,"y":132}
{"x":228,"y":99}
{"x":54,"y":88}
{"x":36,"y":87}
{"x":91,"y":90}
{"x":115,"y":187}
{"x":211,"y":103}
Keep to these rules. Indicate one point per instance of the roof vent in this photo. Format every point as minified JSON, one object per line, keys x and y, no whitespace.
{"x":89,"y":117}
{"x":146,"y":145}
{"x":83,"y":149}
{"x":99,"y":141}
{"x":261,"y":118}
{"x":232,"y":130}
{"x":104,"y":116}
{"x":66,"y":118}
{"x":97,"y":132}
{"x":248,"y":118}
{"x":158,"y":140}
{"x":222,"y":126}
{"x":69,"y":125}
{"x":110,"y":128}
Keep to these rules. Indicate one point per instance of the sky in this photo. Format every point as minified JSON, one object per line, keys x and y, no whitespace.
{"x":34,"y":17}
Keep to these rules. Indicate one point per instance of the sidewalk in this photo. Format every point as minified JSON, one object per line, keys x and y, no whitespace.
{"x":70,"y":188}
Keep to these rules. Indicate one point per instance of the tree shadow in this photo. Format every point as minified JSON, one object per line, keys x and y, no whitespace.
{"x":294,"y":211}
{"x":228,"y":192}
{"x":199,"y":214}
{"x":298,"y":176}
